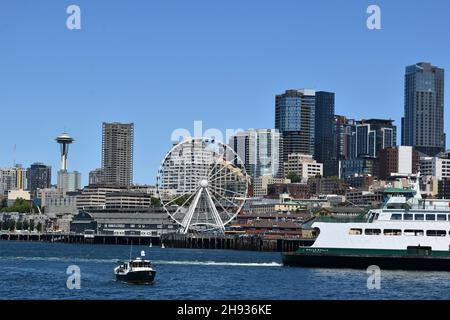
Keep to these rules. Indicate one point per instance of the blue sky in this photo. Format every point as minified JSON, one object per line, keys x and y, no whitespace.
{"x":163,"y":64}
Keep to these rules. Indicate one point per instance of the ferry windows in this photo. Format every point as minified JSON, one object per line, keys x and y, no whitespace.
{"x":407,"y":216}
{"x":372,"y":232}
{"x":417,"y":233}
{"x":392,"y":232}
{"x":396,"y":216}
{"x":418,"y":217}
{"x":442,"y":217}
{"x":430,"y":217}
{"x":355,"y":232}
{"x":436,"y":233}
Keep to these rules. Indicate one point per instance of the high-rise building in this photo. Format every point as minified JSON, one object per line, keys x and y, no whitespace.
{"x":259,"y":150}
{"x":343,"y":129}
{"x":13,"y":179}
{"x":368,"y":137}
{"x":325,"y":148}
{"x":39,"y":177}
{"x":117,"y":153}
{"x":69,"y":181}
{"x":295,"y":119}
{"x":423,"y":122}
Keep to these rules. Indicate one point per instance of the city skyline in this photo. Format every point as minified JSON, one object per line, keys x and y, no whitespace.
{"x":85,"y":72}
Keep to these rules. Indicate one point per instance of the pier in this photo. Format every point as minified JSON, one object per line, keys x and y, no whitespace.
{"x":174,"y":240}
{"x":235,"y":242}
{"x":81,"y":239}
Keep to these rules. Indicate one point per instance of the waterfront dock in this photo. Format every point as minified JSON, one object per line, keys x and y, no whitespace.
{"x":229,"y":242}
{"x":235,"y":242}
{"x":81,"y":239}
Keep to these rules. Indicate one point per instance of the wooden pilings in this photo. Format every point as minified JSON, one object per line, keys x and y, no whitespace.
{"x":250,"y":243}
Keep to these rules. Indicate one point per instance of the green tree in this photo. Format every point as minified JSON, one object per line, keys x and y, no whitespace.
{"x":31,"y":225}
{"x":20,"y":205}
{"x":19,"y":225}
{"x":182,"y":200}
{"x":5,"y":225}
{"x":3,"y":203}
{"x":1,"y":224}
{"x":12,"y":225}
{"x":26,"y":225}
{"x":294,"y":177}
{"x":39,"y":227}
{"x":156,"y":202}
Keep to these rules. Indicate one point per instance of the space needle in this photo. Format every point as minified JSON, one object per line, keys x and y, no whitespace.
{"x":64,"y":141}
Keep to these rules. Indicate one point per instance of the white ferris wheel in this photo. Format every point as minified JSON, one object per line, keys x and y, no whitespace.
{"x":202,"y":185}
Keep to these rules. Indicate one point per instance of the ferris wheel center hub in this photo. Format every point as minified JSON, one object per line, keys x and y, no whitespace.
{"x":204,"y":183}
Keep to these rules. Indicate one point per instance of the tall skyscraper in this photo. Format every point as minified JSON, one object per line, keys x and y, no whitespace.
{"x":370,"y":136}
{"x":260,"y":151}
{"x":423,"y":122}
{"x":13,"y":179}
{"x":295,"y":120}
{"x":39,"y":177}
{"x":117,"y":153}
{"x":325,"y":148}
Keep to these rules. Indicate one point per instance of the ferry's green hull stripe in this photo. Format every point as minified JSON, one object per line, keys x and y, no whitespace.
{"x":419,"y":258}
{"x":365,"y":252}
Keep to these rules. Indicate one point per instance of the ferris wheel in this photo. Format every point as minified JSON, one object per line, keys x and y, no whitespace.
{"x":202,"y":185}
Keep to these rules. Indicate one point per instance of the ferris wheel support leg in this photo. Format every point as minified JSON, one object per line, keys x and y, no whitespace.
{"x":188,"y":217}
{"x":214,"y":212}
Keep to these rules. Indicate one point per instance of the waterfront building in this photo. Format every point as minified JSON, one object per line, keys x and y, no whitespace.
{"x":295,"y":119}
{"x":128,"y":200}
{"x":95,"y":196}
{"x":423,"y":121}
{"x":303,"y":165}
{"x":138,"y":222}
{"x":117,"y":153}
{"x":260,"y":151}
{"x":39,"y":177}
{"x":402,"y":160}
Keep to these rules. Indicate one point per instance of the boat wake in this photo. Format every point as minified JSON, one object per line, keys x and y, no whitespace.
{"x":217,"y":263}
{"x":161,"y":262}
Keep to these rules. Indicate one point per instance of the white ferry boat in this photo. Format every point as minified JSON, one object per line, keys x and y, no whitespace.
{"x":407,"y":232}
